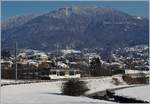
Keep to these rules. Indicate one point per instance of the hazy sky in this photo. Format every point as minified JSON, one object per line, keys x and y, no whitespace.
{"x":12,"y":8}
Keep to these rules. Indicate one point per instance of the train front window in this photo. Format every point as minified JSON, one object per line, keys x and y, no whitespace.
{"x":58,"y":73}
{"x":53,"y":72}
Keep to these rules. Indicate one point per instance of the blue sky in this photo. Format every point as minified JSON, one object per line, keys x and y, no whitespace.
{"x":12,"y":8}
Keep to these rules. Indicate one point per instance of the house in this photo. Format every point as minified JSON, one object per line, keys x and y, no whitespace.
{"x":6,"y":69}
{"x":136,"y":73}
{"x":90,"y":56}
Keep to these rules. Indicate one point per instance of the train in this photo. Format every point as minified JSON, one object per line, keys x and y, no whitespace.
{"x":61,"y":74}
{"x":64,"y":74}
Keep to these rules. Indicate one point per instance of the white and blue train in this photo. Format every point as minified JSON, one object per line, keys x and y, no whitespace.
{"x":64,"y":74}
{"x":60,"y":74}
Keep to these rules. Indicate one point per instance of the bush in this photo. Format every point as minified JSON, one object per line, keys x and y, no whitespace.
{"x":74,"y":87}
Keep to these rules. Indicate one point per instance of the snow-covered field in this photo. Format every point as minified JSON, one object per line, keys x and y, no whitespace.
{"x":104,"y":83}
{"x":141,"y":92}
{"x":41,"y":93}
{"x":50,"y":92}
{"x":94,"y":84}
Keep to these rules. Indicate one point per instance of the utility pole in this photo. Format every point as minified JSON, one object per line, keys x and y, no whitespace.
{"x":57,"y":46}
{"x":89,"y":66}
{"x":16,"y":61}
{"x":66,"y":11}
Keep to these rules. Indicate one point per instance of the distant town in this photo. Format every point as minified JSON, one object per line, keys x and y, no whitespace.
{"x":35,"y":64}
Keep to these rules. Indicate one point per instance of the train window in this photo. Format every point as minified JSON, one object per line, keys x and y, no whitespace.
{"x":71,"y":72}
{"x":58,"y":73}
{"x":53,"y":72}
{"x":62,"y":73}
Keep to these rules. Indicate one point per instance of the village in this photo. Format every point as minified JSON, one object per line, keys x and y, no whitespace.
{"x":47,"y":71}
{"x":35,"y":64}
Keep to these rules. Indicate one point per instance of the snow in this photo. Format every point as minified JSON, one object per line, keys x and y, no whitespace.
{"x":50,"y":92}
{"x":104,"y":83}
{"x":141,"y":92}
{"x":68,"y":51}
{"x":139,"y":18}
{"x":4,"y":81}
{"x":63,"y":65}
{"x":94,"y":84}
{"x":41,"y":93}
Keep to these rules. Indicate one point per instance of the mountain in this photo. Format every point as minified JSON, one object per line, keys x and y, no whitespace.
{"x":17,"y":21}
{"x":79,"y":27}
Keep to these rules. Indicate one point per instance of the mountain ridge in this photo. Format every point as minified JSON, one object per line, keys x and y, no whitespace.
{"x":80,"y":28}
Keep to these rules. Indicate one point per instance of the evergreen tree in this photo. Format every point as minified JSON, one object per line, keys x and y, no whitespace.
{"x":95,"y":67}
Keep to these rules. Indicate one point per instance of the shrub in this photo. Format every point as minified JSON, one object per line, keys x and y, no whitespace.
{"x":74,"y":87}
